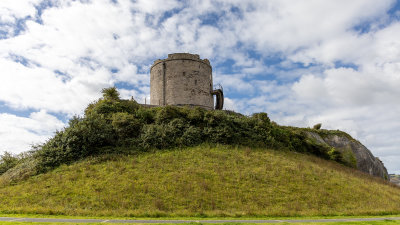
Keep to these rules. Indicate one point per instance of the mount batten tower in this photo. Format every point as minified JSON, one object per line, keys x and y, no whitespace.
{"x":184,"y":79}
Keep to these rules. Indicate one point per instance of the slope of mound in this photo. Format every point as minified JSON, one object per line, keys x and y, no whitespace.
{"x":114,"y":125}
{"x":204,"y":180}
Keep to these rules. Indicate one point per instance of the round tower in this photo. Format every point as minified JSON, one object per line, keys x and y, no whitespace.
{"x":182,"y":79}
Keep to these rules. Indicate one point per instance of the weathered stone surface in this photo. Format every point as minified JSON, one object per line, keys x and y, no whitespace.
{"x":181,"y":79}
{"x":365,"y":160}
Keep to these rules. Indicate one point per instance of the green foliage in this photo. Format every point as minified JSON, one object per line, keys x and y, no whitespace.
{"x":192,"y":136}
{"x":7,"y":161}
{"x":195,"y":115}
{"x":145,"y":115}
{"x":335,"y":155}
{"x":126,"y":126}
{"x":107,"y":107}
{"x":156,"y":136}
{"x":112,"y":122}
{"x":166,"y":114}
{"x":110,"y":94}
{"x":348,"y":158}
{"x":317,"y":126}
{"x":82,"y":138}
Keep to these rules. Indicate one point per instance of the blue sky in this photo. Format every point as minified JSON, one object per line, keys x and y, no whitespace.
{"x":303,"y":62}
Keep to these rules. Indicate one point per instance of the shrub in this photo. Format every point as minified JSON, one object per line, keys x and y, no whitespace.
{"x":192,"y":136}
{"x":176,"y":128}
{"x":7,"y":161}
{"x":111,"y":123}
{"x":317,"y":126}
{"x":25,"y":168}
{"x":262,"y":118}
{"x":167,"y":113}
{"x":155,"y":135}
{"x":262,"y":129}
{"x":82,"y":138}
{"x":195,"y":115}
{"x":108,"y":107}
{"x":145,"y":115}
{"x":335,"y":155}
{"x":126,"y":126}
{"x":220,"y":134}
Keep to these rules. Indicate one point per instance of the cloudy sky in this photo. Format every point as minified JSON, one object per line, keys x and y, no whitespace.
{"x":303,"y":62}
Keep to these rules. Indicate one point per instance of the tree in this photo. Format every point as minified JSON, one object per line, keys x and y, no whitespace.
{"x":110,"y":93}
{"x":7,"y":161}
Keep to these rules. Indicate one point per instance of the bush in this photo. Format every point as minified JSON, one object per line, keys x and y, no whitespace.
{"x":163,"y":135}
{"x":192,"y":136}
{"x":126,"y":126}
{"x":108,"y":107}
{"x":111,"y":123}
{"x":25,"y":168}
{"x":195,"y":115}
{"x":7,"y":161}
{"x":81,"y":139}
{"x":145,"y":115}
{"x":155,"y":136}
{"x":317,"y":126}
{"x":335,"y":155}
{"x":167,"y":113}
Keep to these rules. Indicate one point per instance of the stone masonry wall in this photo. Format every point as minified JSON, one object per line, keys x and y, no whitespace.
{"x":184,"y":79}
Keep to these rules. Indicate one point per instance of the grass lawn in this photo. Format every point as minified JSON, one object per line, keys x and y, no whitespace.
{"x":204,"y":181}
{"x":386,"y":222}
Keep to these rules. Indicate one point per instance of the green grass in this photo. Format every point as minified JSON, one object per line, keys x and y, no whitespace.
{"x":387,"y":222}
{"x":195,"y":218}
{"x":202,"y":181}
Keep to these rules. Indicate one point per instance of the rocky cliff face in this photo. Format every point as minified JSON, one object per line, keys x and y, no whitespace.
{"x":353,"y":153}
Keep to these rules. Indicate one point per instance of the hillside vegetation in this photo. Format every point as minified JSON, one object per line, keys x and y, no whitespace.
{"x":124,"y":159}
{"x":203,"y":181}
{"x":123,"y":126}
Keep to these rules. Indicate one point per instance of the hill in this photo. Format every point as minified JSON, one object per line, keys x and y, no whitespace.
{"x":114,"y":125}
{"x":124,"y":159}
{"x":208,"y":180}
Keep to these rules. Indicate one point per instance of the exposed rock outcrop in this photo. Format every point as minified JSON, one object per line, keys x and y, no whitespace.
{"x":353,"y":152}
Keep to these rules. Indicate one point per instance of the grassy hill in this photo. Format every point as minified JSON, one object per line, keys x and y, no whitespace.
{"x":123,"y":159}
{"x":208,"y":180}
{"x":114,"y":125}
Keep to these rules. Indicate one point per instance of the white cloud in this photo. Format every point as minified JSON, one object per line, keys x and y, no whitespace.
{"x":17,"y":134}
{"x":155,"y":6}
{"x":233,"y":82}
{"x":287,"y":25}
{"x":138,"y":97}
{"x":38,"y":88}
{"x":70,"y":57}
{"x":61,"y":63}
{"x":362,"y":103}
{"x":11,"y":11}
{"x":229,"y":104}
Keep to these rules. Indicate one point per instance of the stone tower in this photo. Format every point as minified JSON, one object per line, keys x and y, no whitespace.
{"x":183,"y":79}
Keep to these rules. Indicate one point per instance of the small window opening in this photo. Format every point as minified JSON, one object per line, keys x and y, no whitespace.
{"x":195,"y":82}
